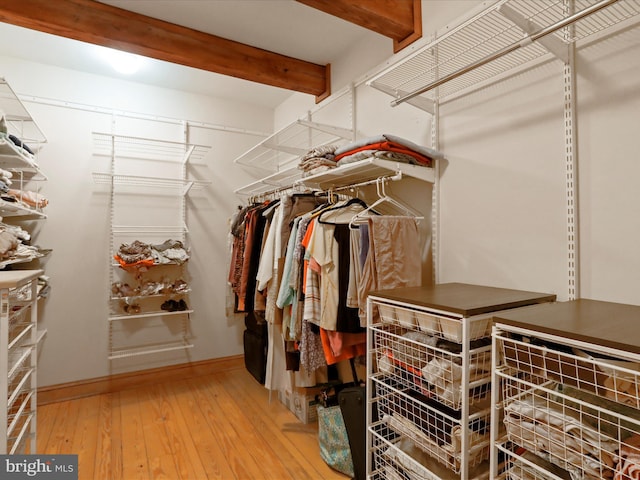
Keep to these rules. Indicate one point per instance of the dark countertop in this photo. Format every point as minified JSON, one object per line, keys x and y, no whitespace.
{"x":464,"y":299}
{"x":613,"y":325}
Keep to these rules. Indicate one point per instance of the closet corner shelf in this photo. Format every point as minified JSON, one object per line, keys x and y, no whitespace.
{"x":491,"y":42}
{"x":364,"y":170}
{"x":108,"y":144}
{"x":164,"y":347}
{"x":284,"y":146}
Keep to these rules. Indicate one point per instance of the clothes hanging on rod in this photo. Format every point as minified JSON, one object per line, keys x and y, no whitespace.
{"x":312,"y":273}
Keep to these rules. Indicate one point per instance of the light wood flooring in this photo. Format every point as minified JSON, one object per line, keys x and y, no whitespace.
{"x":217,"y":426}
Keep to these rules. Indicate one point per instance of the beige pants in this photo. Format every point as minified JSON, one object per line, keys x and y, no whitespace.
{"x":394,"y":257}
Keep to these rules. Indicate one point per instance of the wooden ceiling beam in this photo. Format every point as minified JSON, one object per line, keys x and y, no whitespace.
{"x":97,"y":23}
{"x":400,"y":20}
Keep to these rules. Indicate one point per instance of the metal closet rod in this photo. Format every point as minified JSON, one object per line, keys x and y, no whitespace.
{"x":295,"y":186}
{"x":385,"y":178}
{"x":508,"y":49}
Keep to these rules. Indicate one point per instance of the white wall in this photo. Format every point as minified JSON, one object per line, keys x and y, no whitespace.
{"x":77,"y":228}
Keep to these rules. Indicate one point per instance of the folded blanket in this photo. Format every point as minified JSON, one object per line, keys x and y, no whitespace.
{"x":381,"y":154}
{"x":387,"y":137}
{"x":392,"y":147}
{"x":322,"y":156}
{"x":608,"y":424}
{"x":445,"y":376}
{"x":542,"y":426}
{"x":449,"y":452}
{"x":325,"y":151}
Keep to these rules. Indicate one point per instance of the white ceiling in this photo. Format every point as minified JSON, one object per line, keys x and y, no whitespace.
{"x":282,"y":26}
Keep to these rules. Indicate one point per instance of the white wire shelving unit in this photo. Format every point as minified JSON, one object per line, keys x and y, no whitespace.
{"x":566,"y":391}
{"x":428,"y":379}
{"x":129,"y":159}
{"x":18,"y":360}
{"x":24,"y":202}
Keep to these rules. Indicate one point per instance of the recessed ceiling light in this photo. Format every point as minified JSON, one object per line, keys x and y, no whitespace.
{"x":122,"y":62}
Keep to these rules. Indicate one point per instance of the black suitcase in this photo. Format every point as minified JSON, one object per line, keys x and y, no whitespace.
{"x":255,"y":351}
{"x":352,"y":402}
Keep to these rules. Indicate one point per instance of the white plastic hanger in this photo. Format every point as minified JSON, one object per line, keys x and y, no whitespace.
{"x":383,"y":197}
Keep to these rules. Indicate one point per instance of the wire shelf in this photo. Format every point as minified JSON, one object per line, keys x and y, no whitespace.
{"x":149,"y":182}
{"x":149,"y":349}
{"x":496,"y":28}
{"x":593,"y":371}
{"x":18,"y":333}
{"x":17,"y":414}
{"x":18,"y":209}
{"x":280,"y":149}
{"x":448,"y":328}
{"x":17,"y":443}
{"x":588,"y":436}
{"x":430,"y":365}
{"x":155,"y":295}
{"x":107,"y":144}
{"x":363,"y":170}
{"x":527,"y":466}
{"x":14,"y":157}
{"x":18,"y":118}
{"x":433,"y":428}
{"x":280,"y":179}
{"x":159,"y":313}
{"x":338,"y":177}
{"x":396,"y":457}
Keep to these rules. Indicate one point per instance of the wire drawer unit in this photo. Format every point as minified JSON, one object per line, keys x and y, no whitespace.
{"x":18,"y":344}
{"x":566,"y":392}
{"x":429,"y":379}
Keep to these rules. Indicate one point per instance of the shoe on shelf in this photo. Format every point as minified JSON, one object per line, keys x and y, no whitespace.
{"x":181,"y":305}
{"x":168,"y":305}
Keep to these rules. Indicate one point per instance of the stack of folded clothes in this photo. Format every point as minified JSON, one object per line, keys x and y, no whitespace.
{"x":387,"y":147}
{"x":15,"y":244}
{"x":318,"y":160}
{"x":5,"y":180}
{"x":140,"y":254}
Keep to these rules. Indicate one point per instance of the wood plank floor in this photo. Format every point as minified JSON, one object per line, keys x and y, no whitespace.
{"x":218,"y":426}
